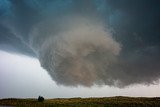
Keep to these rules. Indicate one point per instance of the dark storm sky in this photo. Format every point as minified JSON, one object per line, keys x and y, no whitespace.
{"x":134,"y":24}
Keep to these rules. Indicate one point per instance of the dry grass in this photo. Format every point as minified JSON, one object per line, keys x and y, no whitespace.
{"x":84,"y":102}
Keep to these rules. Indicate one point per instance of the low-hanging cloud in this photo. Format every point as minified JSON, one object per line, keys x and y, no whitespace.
{"x":93,"y":42}
{"x":79,"y":55}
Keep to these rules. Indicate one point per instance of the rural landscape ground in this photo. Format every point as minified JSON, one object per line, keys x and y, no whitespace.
{"x":84,"y":102}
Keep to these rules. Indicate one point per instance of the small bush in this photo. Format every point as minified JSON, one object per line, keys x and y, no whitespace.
{"x":40,"y":99}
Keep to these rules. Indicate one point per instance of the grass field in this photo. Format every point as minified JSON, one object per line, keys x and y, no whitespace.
{"x":84,"y":102}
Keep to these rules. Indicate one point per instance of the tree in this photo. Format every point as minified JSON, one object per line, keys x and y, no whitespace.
{"x":40,"y":99}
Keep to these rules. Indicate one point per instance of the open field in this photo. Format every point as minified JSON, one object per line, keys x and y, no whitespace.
{"x":84,"y":102}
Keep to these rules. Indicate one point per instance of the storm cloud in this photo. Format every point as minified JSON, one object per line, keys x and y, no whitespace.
{"x":86,"y":42}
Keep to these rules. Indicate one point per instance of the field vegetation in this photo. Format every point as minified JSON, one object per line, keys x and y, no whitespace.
{"x":84,"y":102}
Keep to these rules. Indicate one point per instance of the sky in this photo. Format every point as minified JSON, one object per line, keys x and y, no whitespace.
{"x":82,"y":48}
{"x":17,"y":82}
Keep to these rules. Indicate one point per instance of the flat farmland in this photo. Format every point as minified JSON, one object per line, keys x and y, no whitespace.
{"x":118,"y":101}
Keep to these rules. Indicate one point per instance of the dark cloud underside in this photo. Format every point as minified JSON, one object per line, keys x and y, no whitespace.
{"x":86,"y":42}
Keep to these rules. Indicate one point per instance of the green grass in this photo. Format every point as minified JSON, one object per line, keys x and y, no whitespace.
{"x":84,"y":102}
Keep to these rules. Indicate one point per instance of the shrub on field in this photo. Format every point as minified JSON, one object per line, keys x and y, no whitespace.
{"x":40,"y":99}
